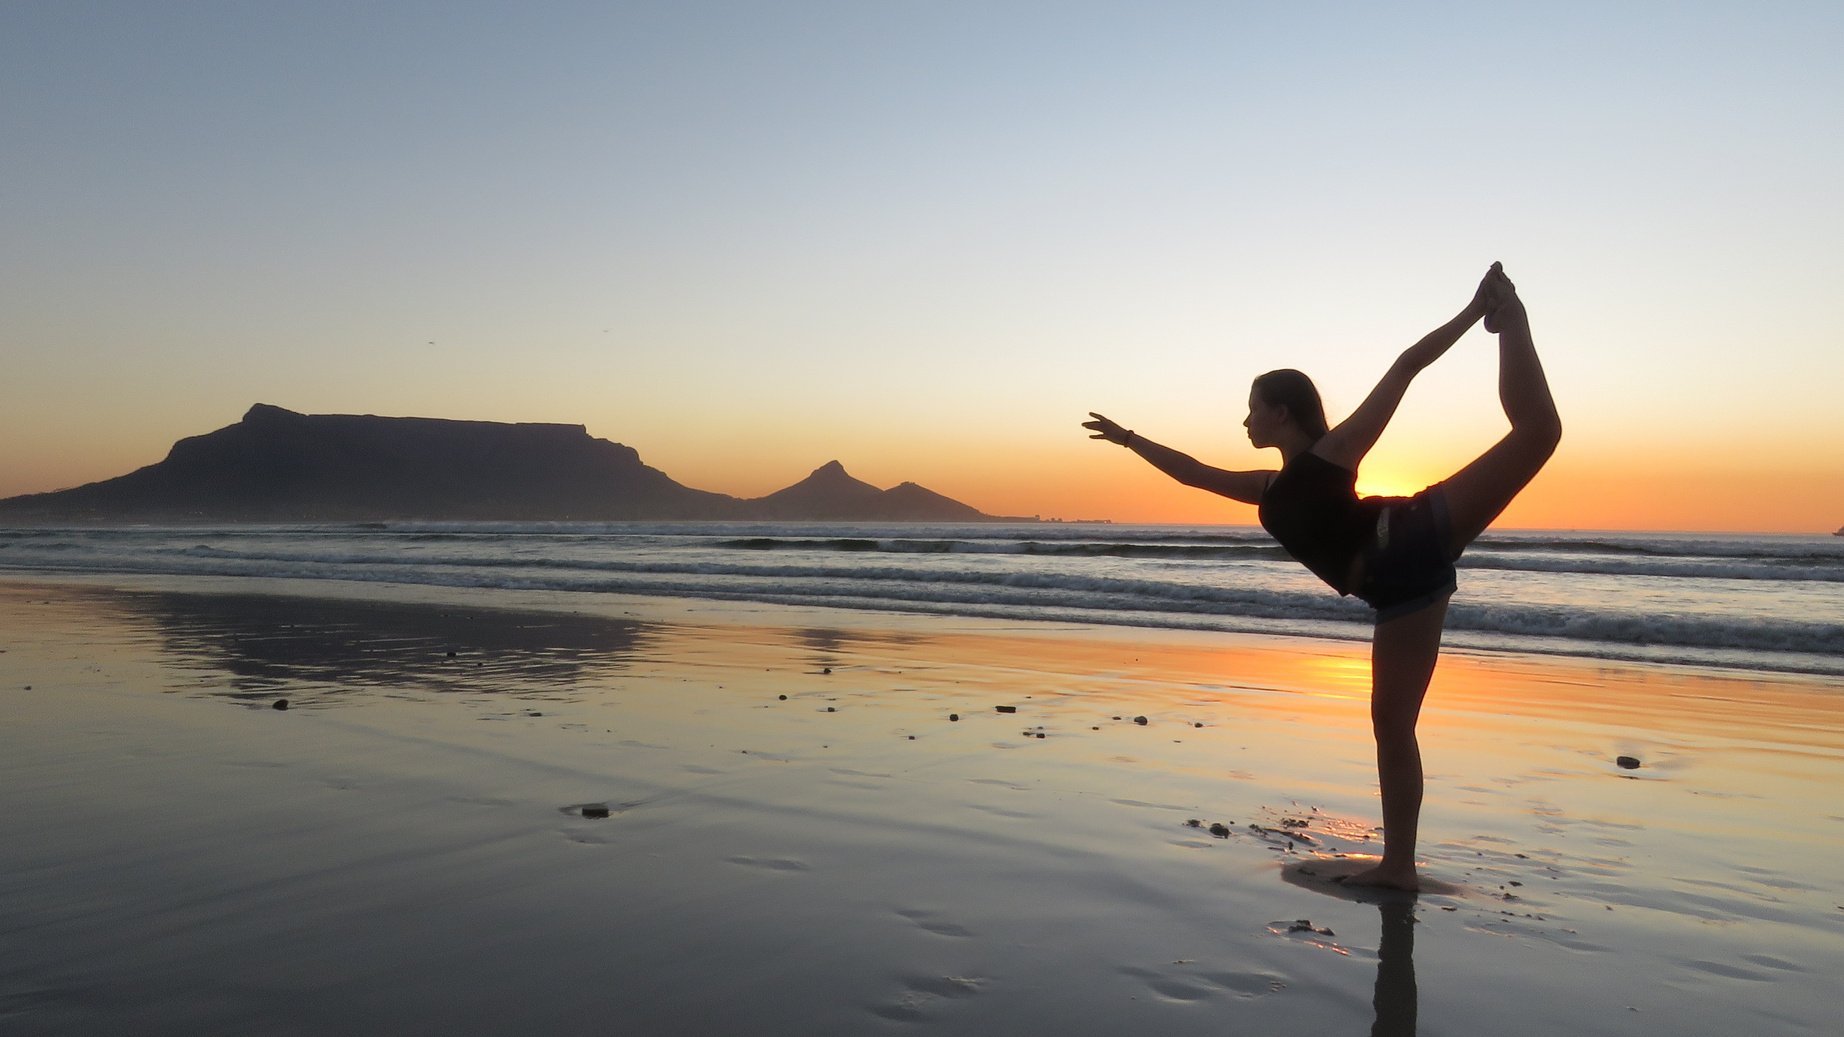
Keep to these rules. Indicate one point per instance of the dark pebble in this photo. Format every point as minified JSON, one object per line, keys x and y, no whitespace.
{"x":954,"y":716}
{"x":280,"y":704}
{"x":1040,"y":734}
{"x":912,"y":738}
{"x":595,"y":811}
{"x":1197,"y":725}
{"x":830,"y":709}
{"x":1628,"y":762}
{"x":1006,"y":709}
{"x":1140,"y":721}
{"x":784,"y":698}
{"x":1220,"y":830}
{"x":827,"y":669}
{"x":1194,"y":823}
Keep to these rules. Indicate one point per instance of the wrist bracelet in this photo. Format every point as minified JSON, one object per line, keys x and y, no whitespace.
{"x":1127,"y":440}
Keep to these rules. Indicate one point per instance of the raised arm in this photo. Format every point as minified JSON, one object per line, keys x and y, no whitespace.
{"x":1346,"y":444}
{"x":1240,"y":486}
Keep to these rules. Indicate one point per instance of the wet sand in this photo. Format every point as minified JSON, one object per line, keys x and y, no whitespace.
{"x":603,"y":815}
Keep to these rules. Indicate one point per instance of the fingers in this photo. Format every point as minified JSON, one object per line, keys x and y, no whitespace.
{"x":1103,"y":428}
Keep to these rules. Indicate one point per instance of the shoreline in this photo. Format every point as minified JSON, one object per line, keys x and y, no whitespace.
{"x":405,"y":847}
{"x":881,"y":615}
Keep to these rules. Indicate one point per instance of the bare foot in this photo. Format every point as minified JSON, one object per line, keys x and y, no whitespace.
{"x":1501,"y":300}
{"x":1385,"y":876}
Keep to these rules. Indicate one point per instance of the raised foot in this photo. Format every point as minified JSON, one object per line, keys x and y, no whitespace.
{"x":1501,"y":299}
{"x":1385,"y":877}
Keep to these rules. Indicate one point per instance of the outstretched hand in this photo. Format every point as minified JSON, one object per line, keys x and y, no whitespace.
{"x":1107,"y":429}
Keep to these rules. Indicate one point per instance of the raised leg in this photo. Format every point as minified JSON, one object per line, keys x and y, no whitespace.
{"x":1478,"y":493}
{"x":1402,"y":658}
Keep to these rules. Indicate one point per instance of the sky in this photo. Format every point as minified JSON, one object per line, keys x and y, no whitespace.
{"x":925,"y":239}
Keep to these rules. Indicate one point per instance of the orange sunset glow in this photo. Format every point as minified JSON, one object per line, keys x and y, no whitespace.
{"x":876,"y":237}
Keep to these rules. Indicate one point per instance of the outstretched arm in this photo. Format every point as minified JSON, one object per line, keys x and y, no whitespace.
{"x":1241,"y":486}
{"x":1347,"y":444}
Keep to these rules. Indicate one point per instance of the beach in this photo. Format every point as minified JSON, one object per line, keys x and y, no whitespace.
{"x":488,"y":810}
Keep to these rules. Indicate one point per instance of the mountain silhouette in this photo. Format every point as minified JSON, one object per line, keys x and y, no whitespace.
{"x":830,"y":494}
{"x":276,"y":465}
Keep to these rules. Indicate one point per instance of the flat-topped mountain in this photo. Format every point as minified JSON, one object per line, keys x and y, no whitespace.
{"x":279,"y":466}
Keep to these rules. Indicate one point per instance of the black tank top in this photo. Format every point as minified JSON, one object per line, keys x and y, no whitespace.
{"x":1312,"y":508}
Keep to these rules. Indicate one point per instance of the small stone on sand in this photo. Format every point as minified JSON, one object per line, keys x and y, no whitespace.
{"x":280,"y":704}
{"x":1140,"y":721}
{"x":1628,"y":762}
{"x":1006,"y":709}
{"x":1220,"y":830}
{"x":954,"y":716}
{"x":595,"y":811}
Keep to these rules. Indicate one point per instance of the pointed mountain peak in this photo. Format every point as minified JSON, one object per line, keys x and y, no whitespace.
{"x":267,"y":412}
{"x":831,"y":469}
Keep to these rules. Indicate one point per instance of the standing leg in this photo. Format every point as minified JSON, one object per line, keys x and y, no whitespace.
{"x":1402,"y":658}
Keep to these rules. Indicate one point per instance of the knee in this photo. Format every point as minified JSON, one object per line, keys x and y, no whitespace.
{"x":1391,"y":729}
{"x":1543,"y":432}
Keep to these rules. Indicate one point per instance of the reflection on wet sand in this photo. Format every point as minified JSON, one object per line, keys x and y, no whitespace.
{"x":1396,"y":997}
{"x":830,"y":646}
{"x":323,"y":650}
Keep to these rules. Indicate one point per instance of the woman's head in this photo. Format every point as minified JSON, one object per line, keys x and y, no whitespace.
{"x":1287,"y":396}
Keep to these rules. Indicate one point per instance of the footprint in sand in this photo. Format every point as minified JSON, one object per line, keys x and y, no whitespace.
{"x":1718,"y":968}
{"x":770,"y":863}
{"x":1177,"y":982}
{"x":1010,"y":815}
{"x":929,"y":921}
{"x":1770,"y":962}
{"x":922,"y":991}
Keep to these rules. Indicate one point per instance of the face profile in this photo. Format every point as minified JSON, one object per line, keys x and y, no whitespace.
{"x":1264,"y":420}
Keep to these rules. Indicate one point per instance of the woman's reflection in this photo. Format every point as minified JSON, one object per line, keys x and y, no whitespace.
{"x":1395,"y":999}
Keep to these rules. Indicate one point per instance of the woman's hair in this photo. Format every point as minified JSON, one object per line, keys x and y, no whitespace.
{"x":1293,"y":390}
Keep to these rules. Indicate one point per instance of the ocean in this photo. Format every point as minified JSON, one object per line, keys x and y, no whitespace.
{"x":1770,"y":604}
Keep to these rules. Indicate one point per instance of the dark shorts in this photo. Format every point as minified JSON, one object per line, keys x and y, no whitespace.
{"x":1406,"y":567}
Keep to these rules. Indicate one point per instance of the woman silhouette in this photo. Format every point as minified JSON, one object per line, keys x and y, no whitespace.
{"x":1396,"y":553}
